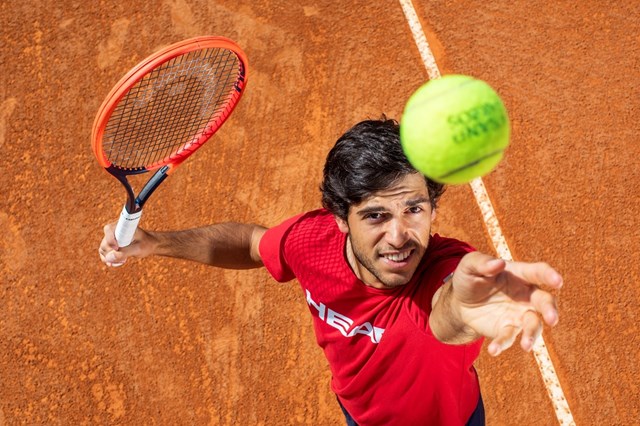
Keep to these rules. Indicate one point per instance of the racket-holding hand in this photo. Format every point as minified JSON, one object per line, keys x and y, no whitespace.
{"x":113,"y":255}
{"x":495,"y":299}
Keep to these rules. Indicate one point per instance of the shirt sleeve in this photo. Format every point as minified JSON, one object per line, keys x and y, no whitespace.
{"x":450,"y":255}
{"x":272,"y":250}
{"x":445,"y":255}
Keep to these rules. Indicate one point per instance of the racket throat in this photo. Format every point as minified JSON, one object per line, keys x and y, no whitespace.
{"x":135,"y":204}
{"x":151,"y":186}
{"x":131,"y":204}
{"x":132,"y":210}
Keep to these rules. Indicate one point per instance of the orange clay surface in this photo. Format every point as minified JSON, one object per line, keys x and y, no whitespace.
{"x":162,"y":341}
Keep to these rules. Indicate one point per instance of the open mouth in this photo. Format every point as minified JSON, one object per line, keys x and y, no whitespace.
{"x":397,"y":258}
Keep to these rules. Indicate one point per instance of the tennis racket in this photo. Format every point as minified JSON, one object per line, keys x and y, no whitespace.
{"x":162,"y":111}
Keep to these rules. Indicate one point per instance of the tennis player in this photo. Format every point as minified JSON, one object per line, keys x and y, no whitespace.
{"x":399,"y":312}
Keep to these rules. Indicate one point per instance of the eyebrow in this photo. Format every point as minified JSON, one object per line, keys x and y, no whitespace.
{"x":377,"y":209}
{"x":415,"y":201}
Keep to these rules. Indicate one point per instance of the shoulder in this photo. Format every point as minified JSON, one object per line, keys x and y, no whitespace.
{"x":443,"y":247}
{"x":303,"y":242}
{"x":311,"y":231}
{"x":443,"y":255}
{"x":299,"y":221}
{"x":441,"y":258}
{"x":301,"y":232}
{"x":310,"y":223}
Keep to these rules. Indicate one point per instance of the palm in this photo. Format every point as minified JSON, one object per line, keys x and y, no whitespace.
{"x":498,"y":300}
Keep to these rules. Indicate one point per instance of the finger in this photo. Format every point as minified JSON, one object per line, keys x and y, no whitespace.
{"x":109,"y":258}
{"x":505,"y":339}
{"x":531,"y":329}
{"x":115,"y":258}
{"x":539,"y":273}
{"x":480,"y":264}
{"x":545,"y":303}
{"x":110,"y":236}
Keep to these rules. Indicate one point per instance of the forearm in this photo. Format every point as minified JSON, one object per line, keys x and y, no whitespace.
{"x":445,"y":321}
{"x":225,"y":245}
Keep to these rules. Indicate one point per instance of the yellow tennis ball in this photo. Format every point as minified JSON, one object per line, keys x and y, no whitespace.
{"x":454,"y":129}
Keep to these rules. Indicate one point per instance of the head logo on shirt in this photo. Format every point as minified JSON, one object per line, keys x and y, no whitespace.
{"x":342,"y":323}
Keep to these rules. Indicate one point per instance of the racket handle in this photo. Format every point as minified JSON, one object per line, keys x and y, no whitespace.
{"x":126,"y":227}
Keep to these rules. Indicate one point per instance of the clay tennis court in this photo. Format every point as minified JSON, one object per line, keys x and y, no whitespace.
{"x":163,"y":341}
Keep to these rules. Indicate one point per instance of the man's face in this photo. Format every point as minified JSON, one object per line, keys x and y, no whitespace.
{"x":389,"y":232}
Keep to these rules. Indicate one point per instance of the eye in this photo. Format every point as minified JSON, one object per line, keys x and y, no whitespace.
{"x":374,"y":217}
{"x":416,"y":209}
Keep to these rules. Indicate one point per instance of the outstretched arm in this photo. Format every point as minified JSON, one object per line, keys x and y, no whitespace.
{"x":226,"y":245}
{"x":495,"y":299}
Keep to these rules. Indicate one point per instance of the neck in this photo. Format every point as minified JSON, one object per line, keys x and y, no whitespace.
{"x":357,"y":268}
{"x":351,"y":259}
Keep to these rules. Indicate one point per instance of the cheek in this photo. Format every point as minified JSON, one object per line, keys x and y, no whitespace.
{"x":366,"y":241}
{"x":422,"y":229}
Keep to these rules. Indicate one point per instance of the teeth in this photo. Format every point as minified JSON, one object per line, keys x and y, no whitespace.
{"x":399,"y":257}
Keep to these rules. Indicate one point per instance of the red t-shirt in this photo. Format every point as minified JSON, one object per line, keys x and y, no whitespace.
{"x":387,"y":368}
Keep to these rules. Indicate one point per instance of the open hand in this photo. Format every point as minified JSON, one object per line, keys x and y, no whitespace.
{"x":499,"y":299}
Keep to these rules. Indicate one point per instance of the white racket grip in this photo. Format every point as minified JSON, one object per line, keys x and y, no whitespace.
{"x":126,"y":227}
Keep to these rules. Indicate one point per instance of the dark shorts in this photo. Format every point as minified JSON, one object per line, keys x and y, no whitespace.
{"x":476,"y":419}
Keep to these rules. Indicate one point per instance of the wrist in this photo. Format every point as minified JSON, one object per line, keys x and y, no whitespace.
{"x":153,"y":244}
{"x":446,"y":320}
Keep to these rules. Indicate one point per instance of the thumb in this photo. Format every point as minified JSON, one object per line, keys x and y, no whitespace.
{"x":110,"y":236}
{"x":116,"y":257}
{"x":139,"y":247}
{"x":480,"y":264}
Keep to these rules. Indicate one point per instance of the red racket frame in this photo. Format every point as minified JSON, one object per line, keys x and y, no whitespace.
{"x":145,"y":67}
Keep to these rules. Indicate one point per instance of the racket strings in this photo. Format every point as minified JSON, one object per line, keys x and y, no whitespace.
{"x":175,"y":112}
{"x":170,"y":108}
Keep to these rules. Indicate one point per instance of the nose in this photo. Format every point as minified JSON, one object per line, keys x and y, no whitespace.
{"x":397,"y":233}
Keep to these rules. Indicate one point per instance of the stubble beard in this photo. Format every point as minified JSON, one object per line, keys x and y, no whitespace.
{"x":368,"y":265}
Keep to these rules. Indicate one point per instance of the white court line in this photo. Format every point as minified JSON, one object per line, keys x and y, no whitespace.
{"x":548,"y":372}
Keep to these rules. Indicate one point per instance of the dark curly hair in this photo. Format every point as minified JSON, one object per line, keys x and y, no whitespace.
{"x":368,"y":158}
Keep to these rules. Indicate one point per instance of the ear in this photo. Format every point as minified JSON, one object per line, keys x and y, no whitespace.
{"x":343,"y":226}
{"x":433,"y":215}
